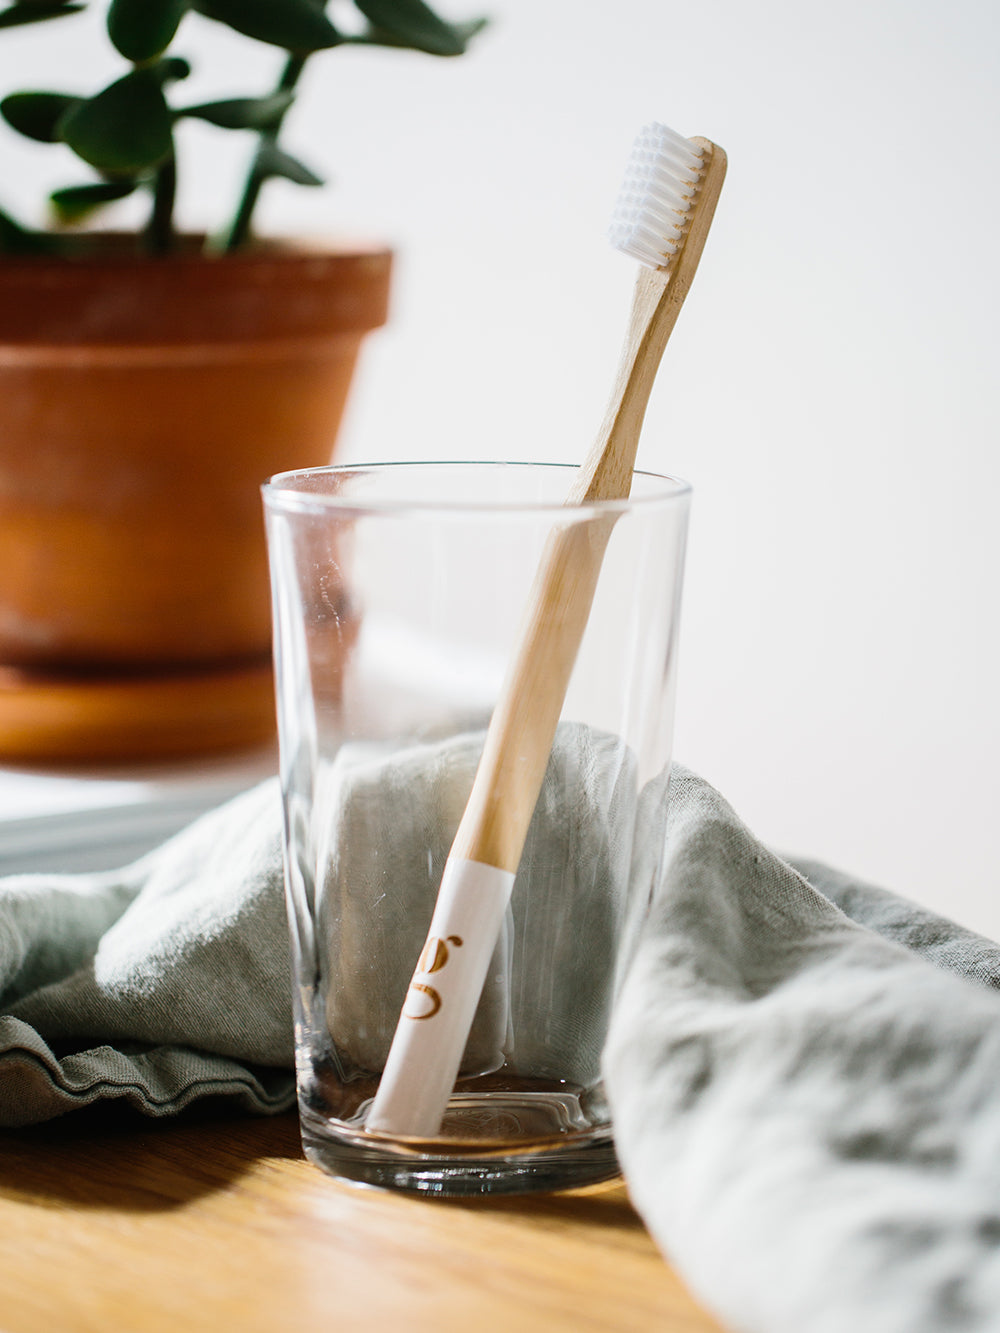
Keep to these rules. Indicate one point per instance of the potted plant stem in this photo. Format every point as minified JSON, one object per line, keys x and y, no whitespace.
{"x":149,"y":382}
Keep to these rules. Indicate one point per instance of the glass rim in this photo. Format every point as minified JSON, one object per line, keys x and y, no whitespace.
{"x":278,"y":492}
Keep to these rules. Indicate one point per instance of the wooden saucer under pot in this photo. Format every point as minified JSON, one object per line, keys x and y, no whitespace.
{"x":57,"y":716}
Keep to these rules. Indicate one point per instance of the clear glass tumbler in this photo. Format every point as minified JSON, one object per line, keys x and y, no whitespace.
{"x":399,"y":595}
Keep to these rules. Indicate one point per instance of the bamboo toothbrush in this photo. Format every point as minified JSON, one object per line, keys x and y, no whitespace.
{"x":662,"y":218}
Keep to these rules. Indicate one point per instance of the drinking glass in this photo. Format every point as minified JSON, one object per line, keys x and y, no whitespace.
{"x":399,"y":592}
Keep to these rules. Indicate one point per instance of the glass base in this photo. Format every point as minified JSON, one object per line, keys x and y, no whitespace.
{"x":488,"y":1160}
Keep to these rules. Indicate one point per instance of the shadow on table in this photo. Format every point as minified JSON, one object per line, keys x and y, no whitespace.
{"x":110,"y":1157}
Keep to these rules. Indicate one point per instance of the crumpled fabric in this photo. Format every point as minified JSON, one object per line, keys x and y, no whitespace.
{"x":804,"y":1071}
{"x":169,"y":980}
{"x":546,"y":1003}
{"x":161,"y":983}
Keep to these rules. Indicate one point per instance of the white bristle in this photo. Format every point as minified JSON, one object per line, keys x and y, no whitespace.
{"x":660,"y":182}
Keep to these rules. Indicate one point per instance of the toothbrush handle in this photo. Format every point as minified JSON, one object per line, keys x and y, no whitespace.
{"x":425,"y":1055}
{"x":444,"y":991}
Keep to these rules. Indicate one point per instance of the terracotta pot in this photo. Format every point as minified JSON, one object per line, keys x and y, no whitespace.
{"x":142,"y":403}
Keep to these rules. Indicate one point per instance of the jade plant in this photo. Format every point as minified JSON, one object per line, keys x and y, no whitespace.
{"x":124,"y":133}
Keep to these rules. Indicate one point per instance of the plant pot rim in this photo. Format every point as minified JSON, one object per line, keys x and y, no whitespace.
{"x":116,"y":297}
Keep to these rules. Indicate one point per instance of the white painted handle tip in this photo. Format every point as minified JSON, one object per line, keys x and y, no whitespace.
{"x":441,"y":1001}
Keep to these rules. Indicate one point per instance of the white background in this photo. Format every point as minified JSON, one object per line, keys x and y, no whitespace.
{"x":830,"y":390}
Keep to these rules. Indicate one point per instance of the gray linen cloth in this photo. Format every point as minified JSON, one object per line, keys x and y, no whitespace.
{"x":161,"y":983}
{"x":805,"y":1079}
{"x":545,"y":1005}
{"x":804,"y":1071}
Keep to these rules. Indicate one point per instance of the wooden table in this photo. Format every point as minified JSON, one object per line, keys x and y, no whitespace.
{"x":110,"y":1222}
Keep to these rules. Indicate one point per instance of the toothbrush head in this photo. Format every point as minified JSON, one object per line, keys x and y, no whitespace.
{"x":657,"y":194}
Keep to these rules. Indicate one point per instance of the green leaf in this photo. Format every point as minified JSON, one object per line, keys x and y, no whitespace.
{"x":37,"y":115}
{"x":141,"y":29}
{"x":170,"y":69}
{"x":274,"y":161}
{"x":296,"y":25}
{"x":18,"y":14}
{"x":412,"y":24}
{"x":242,"y":113}
{"x":76,"y":201}
{"x":124,"y":128}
